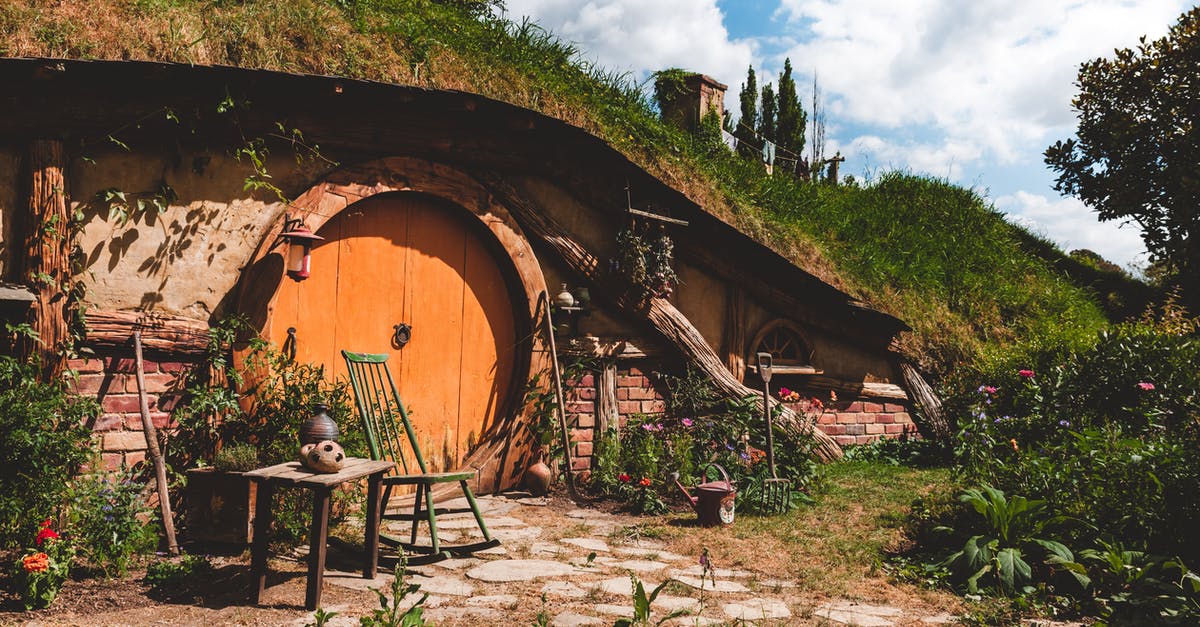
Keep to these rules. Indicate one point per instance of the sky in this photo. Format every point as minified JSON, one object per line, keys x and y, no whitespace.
{"x":972,"y":91}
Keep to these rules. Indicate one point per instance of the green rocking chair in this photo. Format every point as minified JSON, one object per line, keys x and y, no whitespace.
{"x":379,"y":406}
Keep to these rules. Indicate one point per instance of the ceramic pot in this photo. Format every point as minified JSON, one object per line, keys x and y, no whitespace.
{"x":319,"y":427}
{"x":538,"y":475}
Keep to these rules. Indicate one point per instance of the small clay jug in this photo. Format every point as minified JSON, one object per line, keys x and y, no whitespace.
{"x":319,"y":427}
{"x":538,"y":475}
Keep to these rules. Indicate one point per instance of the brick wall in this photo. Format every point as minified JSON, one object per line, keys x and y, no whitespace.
{"x":112,"y":381}
{"x":861,"y":421}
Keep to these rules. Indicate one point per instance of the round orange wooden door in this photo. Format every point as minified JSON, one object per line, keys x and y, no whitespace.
{"x":411,"y":259}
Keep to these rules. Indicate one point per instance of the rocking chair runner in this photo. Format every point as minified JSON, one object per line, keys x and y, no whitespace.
{"x":379,"y":406}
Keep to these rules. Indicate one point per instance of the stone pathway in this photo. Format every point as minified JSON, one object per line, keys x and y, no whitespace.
{"x":585,"y":579}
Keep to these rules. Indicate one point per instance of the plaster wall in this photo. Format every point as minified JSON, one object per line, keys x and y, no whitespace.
{"x":185,"y":261}
{"x":702,"y":298}
{"x":10,"y":173}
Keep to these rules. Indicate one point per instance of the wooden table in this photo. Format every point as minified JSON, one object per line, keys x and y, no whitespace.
{"x":292,"y":474}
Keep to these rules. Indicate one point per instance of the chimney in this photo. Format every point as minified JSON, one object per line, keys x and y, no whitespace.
{"x":687,"y":97}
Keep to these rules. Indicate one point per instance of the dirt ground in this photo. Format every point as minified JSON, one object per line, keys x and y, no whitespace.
{"x":800,"y":575}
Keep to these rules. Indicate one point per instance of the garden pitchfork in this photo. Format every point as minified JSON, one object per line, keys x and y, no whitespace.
{"x":777,"y":493}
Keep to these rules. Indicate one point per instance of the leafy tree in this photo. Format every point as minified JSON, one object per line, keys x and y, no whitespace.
{"x":766,"y":123}
{"x":748,"y":123}
{"x":790,"y":123}
{"x":1137,"y":148}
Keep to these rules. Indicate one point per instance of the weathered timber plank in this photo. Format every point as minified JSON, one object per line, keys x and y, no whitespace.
{"x":113,"y":330}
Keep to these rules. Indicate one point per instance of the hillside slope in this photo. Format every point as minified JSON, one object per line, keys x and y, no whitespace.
{"x":936,"y":255}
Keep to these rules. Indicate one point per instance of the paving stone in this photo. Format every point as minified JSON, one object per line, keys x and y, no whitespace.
{"x":613,"y":610}
{"x":547,"y":548}
{"x":444,"y":584}
{"x":698,"y":570}
{"x":514,"y":534}
{"x":695,"y":621}
{"x":860,"y":614}
{"x":591,"y":544}
{"x":668,"y":604}
{"x":940,"y":619}
{"x":722,"y":585}
{"x":534,"y":501}
{"x":457,"y":563}
{"x":638,"y":566}
{"x":622,"y":586}
{"x":651,"y":554}
{"x":587,"y":513}
{"x":496,"y":550}
{"x":518,"y":570}
{"x":438,"y":614}
{"x":756,"y":609}
{"x":493,"y":600}
{"x":468,"y":522}
{"x":776,"y":583}
{"x":571,"y":619}
{"x":563,"y":589}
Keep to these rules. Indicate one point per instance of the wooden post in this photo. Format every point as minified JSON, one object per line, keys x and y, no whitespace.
{"x":45,"y":264}
{"x":663,"y":317}
{"x":933,"y":418}
{"x":607,"y":414}
{"x":160,"y":466}
{"x":735,"y":332}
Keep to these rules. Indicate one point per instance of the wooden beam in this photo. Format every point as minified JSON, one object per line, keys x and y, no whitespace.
{"x":662,"y":316}
{"x":735,"y":331}
{"x":931,"y":420}
{"x":45,"y":264}
{"x":606,"y":398}
{"x":162,"y":334}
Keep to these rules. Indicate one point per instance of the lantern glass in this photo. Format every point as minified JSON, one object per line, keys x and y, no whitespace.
{"x":299,"y":259}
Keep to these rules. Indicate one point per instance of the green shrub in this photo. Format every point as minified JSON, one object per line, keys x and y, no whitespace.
{"x":171,"y":576}
{"x":108,"y":521}
{"x":45,"y":438}
{"x":236,"y":458}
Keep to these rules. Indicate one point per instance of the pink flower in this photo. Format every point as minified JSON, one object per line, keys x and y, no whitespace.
{"x":988,"y":389}
{"x":1145,"y":387}
{"x":1026,"y":373}
{"x":687,"y":422}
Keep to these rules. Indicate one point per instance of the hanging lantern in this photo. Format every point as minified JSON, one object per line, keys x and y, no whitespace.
{"x":300,"y":242}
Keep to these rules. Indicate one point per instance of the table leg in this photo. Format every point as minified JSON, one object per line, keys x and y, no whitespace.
{"x":262,"y":530}
{"x":317,"y":545}
{"x":371,"y":540}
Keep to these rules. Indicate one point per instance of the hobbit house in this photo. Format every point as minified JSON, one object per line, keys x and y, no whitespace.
{"x":451,"y":225}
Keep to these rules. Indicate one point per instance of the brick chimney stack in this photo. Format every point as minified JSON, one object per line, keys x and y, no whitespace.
{"x":700,"y":95}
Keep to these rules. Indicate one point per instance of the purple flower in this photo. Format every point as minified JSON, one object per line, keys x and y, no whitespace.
{"x":1064,"y":423}
{"x":728,"y":446}
{"x":744,"y":457}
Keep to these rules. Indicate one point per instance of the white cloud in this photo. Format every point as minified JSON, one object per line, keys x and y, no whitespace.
{"x":1071,"y":224}
{"x":992,"y":74}
{"x":944,"y":160}
{"x":643,"y":36}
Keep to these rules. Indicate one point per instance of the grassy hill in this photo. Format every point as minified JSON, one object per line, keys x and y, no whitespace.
{"x":934,"y":254}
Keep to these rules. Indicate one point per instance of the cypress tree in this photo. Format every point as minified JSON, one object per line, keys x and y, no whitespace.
{"x":766,"y":123}
{"x":748,"y":123}
{"x":790,"y":124}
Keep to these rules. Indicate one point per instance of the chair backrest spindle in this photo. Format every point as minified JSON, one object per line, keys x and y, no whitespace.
{"x":379,"y":405}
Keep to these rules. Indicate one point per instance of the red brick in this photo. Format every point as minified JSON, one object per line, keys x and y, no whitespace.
{"x":865,"y":439}
{"x":581,"y":407}
{"x":853,"y":408}
{"x":124,"y":403}
{"x":173,"y":366}
{"x":111,"y":461}
{"x":874,"y":429}
{"x":903,"y":418}
{"x":885,"y":418}
{"x":833,"y":429}
{"x":585,"y":421}
{"x":867,"y":419}
{"x":637,"y":372}
{"x":622,"y":394}
{"x":586,"y":394}
{"x":827,"y":419}
{"x":109,"y":422}
{"x":856,"y":429}
{"x":844,"y":439}
{"x":87,"y":384}
{"x":893,"y":428}
{"x":629,"y":407}
{"x":157,"y":382}
{"x":642,"y":394}
{"x":581,"y":463}
{"x":847,"y":418}
{"x":581,"y":435}
{"x":86,"y":366}
{"x":124,"y":441}
{"x":873,"y":408}
{"x":583,"y":449}
{"x":588,"y":380}
{"x":653,"y":407}
{"x":630,"y":381}
{"x":134,"y":457}
{"x":893,"y":408}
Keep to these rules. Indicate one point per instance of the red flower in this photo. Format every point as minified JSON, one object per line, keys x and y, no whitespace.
{"x":623,"y":477}
{"x":645,"y":482}
{"x":1026,"y":373}
{"x":1145,"y":387}
{"x":46,"y":533}
{"x":45,"y":523}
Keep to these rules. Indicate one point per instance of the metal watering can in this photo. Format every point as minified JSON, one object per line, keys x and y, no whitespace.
{"x":714,"y":500}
